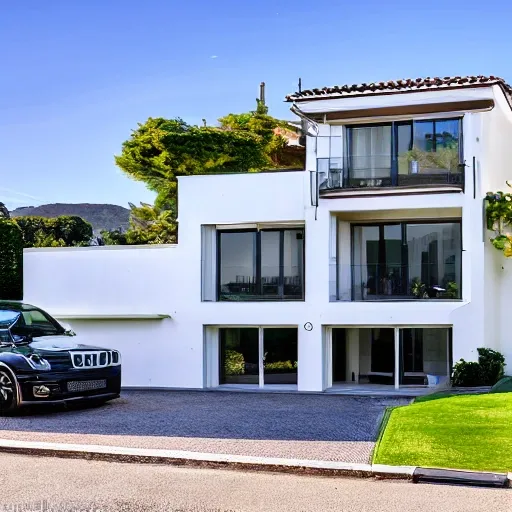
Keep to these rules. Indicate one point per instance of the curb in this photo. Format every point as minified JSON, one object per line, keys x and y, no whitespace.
{"x":205,"y":460}
{"x":252,"y":463}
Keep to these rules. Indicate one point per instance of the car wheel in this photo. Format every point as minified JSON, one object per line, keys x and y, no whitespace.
{"x":8,"y":398}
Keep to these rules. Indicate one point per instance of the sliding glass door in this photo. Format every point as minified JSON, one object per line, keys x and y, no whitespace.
{"x":258,"y":355}
{"x":406,"y":261}
{"x":404,"y":153}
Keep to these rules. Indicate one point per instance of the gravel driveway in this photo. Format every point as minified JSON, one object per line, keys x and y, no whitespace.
{"x":342,"y":428}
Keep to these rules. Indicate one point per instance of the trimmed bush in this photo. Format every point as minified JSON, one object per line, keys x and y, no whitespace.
{"x":11,"y":260}
{"x":487,"y":372}
{"x":466,"y":374}
{"x":492,"y":366}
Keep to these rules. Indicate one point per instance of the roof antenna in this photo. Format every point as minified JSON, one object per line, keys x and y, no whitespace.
{"x":300,"y":85}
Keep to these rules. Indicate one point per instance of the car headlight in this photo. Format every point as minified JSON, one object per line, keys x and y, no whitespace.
{"x":37,"y":362}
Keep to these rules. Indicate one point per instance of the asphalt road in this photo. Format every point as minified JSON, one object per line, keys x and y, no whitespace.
{"x":52,"y":484}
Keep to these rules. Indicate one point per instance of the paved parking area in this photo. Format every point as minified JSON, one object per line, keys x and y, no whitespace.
{"x":338,"y":428}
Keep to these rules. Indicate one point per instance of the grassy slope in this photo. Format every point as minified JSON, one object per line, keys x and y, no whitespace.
{"x":465,"y":432}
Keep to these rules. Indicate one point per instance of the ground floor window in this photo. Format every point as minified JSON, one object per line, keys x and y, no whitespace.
{"x":258,"y":355}
{"x":391,"y":355}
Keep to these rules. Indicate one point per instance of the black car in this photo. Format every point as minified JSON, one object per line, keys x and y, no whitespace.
{"x":40,"y":362}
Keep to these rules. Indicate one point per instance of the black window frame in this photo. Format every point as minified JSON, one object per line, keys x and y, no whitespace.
{"x":280,"y":297}
{"x":394,"y":142}
{"x":403,"y":224}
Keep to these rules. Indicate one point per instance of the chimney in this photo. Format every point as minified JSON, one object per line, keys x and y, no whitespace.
{"x":262,"y":93}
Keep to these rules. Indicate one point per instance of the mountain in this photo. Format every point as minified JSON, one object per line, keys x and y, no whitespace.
{"x":101,"y":216}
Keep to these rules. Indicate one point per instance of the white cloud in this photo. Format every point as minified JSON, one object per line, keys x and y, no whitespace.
{"x":213,"y":57}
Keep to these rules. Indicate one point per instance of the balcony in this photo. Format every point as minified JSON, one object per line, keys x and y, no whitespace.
{"x":390,"y":282}
{"x":379,"y":171}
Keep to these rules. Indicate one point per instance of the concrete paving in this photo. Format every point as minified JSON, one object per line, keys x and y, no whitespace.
{"x":53,"y":484}
{"x":313,"y":427}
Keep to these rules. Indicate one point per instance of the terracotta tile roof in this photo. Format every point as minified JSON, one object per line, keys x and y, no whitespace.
{"x":402,"y":85}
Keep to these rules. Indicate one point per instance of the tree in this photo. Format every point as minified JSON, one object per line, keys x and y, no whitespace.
{"x":11,"y":260}
{"x":63,"y":231}
{"x":160,"y":150}
{"x":258,"y":122}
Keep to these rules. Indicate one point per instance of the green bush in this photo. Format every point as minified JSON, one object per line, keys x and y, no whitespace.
{"x":234,"y":363}
{"x":489,"y":369}
{"x":492,"y":366}
{"x":466,"y":374}
{"x":11,"y":260}
{"x":63,"y":231}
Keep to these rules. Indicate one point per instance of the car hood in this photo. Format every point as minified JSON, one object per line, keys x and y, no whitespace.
{"x":60,"y":343}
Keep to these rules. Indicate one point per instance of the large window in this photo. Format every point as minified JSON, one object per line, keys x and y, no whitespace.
{"x":406,"y":261}
{"x":426,"y":152}
{"x":265,"y":264}
{"x":258,"y":355}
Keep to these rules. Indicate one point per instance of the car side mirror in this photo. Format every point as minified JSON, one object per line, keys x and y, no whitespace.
{"x":67,"y":330}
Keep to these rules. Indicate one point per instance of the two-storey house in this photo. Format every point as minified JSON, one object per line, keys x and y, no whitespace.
{"x":369,"y":269}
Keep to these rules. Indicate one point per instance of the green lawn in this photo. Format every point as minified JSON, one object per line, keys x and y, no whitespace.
{"x":464,"y":432}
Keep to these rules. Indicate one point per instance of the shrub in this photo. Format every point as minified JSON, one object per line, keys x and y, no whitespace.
{"x":11,"y":260}
{"x":489,"y":369}
{"x":234,"y":363}
{"x":466,"y":374}
{"x":492,"y":366}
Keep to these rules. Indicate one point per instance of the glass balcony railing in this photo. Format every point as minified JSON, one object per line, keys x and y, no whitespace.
{"x":380,"y":282}
{"x":376,"y":171}
{"x":274,"y":283}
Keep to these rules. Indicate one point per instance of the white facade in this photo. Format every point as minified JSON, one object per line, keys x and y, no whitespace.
{"x":163,"y":299}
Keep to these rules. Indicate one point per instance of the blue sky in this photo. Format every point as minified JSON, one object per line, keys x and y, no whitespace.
{"x":78,"y":75}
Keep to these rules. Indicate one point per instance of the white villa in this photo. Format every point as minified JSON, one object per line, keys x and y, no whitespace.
{"x":371,"y":267}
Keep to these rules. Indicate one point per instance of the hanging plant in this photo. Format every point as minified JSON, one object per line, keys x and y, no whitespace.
{"x":499,"y":219}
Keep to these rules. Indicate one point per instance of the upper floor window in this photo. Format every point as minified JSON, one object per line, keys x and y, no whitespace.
{"x":402,"y":153}
{"x":265,"y":264}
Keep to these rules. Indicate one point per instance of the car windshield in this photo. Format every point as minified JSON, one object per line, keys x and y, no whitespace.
{"x":34,"y":322}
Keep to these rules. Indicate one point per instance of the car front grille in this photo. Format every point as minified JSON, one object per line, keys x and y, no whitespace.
{"x":95,"y":359}
{"x":76,"y":386}
{"x":58,"y":361}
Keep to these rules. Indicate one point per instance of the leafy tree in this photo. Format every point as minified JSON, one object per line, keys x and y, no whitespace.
{"x":113,"y":237}
{"x":160,"y":150}
{"x":11,"y":260}
{"x":151,"y":225}
{"x":64,"y":231}
{"x":148,"y":225}
{"x":258,"y":122}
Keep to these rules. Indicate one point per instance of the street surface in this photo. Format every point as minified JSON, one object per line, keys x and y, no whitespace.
{"x":53,"y":484}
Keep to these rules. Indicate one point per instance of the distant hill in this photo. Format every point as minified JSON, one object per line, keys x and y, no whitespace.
{"x":101,"y":216}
